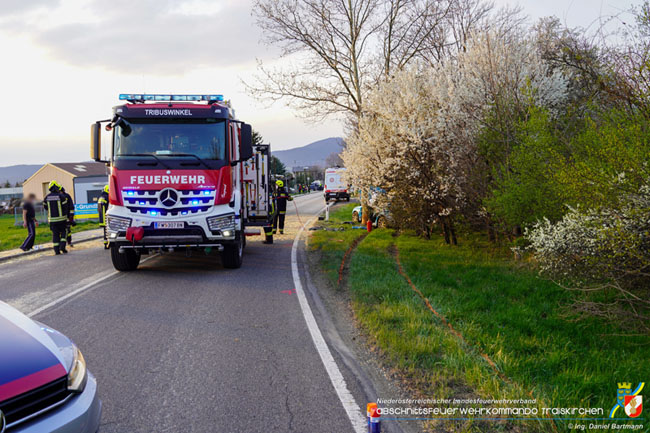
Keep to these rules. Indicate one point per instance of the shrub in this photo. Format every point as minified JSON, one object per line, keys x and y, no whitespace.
{"x":604,"y":255}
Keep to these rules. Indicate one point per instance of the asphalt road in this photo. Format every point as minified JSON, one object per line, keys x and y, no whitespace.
{"x":183,"y":344}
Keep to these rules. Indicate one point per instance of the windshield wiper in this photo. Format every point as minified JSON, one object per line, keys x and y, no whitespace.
{"x":146,"y":154}
{"x":192,"y":156}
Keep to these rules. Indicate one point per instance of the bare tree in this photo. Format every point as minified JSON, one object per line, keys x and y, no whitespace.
{"x":334,"y":160}
{"x":343,"y":48}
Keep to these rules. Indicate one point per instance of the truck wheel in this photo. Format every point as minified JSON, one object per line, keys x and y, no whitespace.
{"x":232,"y":254}
{"x":381,"y":222}
{"x":126,"y":261}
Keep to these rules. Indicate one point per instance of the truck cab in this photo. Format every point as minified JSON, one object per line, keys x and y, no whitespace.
{"x":182,"y":172}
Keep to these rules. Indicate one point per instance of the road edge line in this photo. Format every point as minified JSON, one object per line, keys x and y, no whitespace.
{"x":77,"y":291}
{"x":336,"y":377}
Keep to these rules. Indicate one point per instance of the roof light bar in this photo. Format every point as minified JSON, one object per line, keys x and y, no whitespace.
{"x":175,"y":98}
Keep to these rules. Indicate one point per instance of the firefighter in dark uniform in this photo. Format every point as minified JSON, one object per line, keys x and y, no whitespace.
{"x":102,"y":207}
{"x":281,"y":197}
{"x":58,"y":212}
{"x":71,"y":221}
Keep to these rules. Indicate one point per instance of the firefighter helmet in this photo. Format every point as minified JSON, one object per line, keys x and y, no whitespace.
{"x":54,"y":185}
{"x":106,"y":189}
{"x":279,"y":183}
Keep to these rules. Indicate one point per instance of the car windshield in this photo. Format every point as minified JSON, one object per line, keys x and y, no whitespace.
{"x":202,"y":139}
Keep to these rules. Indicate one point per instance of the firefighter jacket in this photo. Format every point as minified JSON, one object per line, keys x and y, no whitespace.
{"x":102,"y":206}
{"x":281,"y":198}
{"x":70,"y":204}
{"x":57,"y":206}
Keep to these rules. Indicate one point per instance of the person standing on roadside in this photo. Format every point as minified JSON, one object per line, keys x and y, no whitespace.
{"x":58,"y":213}
{"x":280,"y":197}
{"x":102,"y":207}
{"x":29,"y":222}
{"x":71,"y":222}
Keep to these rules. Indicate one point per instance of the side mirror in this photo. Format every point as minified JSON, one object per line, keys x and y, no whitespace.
{"x":246,"y":145}
{"x":96,"y":141}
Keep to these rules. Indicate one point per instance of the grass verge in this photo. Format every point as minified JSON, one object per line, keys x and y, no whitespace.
{"x":502,"y":309}
{"x":13,"y":236}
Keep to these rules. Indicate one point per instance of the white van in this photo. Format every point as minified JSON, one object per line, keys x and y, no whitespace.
{"x":335,"y":187}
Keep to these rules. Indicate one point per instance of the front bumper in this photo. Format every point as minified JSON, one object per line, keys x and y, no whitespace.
{"x":196,"y":231}
{"x":337,"y":195}
{"x":80,"y":413}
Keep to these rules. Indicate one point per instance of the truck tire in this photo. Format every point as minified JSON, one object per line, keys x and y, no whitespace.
{"x":126,"y":261}
{"x":232,"y":254}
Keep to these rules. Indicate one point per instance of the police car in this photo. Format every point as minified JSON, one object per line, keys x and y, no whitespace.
{"x":44,"y":383}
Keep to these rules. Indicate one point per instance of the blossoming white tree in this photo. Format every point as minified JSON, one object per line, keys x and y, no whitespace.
{"x":414,"y":142}
{"x":417,"y":137}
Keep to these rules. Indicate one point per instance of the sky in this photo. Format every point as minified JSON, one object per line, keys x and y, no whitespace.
{"x":64,"y":62}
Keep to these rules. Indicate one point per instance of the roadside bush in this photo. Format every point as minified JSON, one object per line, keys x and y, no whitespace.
{"x":526,"y":189}
{"x":604,"y":255}
{"x":549,"y":169}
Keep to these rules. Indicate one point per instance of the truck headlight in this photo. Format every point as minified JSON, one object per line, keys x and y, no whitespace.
{"x":117,"y":224}
{"x":221,"y":222}
{"x":78,"y":374}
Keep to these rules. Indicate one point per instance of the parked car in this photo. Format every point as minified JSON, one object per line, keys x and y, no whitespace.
{"x":379,"y":220}
{"x":44,"y":383}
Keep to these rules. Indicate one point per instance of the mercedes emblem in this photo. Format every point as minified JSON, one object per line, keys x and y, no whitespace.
{"x":168,"y":197}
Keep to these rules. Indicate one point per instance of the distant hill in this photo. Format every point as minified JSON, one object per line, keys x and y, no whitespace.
{"x":312,"y":154}
{"x":17,"y":173}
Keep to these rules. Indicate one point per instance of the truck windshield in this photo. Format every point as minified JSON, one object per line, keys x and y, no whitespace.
{"x":203,"y":139}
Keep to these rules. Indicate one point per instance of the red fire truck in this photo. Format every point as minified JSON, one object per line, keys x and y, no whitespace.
{"x":184,"y":175}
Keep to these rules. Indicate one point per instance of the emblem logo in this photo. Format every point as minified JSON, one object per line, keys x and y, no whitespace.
{"x":629,"y":400}
{"x":633,"y":405}
{"x":168,"y":197}
{"x":3,"y":422}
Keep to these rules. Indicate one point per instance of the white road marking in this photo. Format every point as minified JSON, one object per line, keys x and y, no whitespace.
{"x":77,"y":291}
{"x":338,"y":381}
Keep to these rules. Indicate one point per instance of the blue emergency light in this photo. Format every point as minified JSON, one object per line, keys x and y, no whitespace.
{"x":175,"y":98}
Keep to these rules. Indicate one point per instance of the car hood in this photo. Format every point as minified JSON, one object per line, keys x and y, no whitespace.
{"x":29,"y":358}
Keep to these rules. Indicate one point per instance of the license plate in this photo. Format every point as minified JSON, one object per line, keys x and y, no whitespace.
{"x":169,"y":225}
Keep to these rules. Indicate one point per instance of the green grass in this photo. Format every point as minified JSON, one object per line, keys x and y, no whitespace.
{"x":333,"y":245}
{"x":13,"y":236}
{"x":502,"y":308}
{"x":525,"y":324}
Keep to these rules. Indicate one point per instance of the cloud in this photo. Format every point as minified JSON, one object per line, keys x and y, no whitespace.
{"x":11,"y":7}
{"x":154,"y":36}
